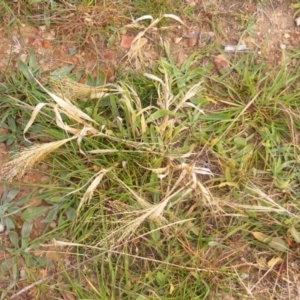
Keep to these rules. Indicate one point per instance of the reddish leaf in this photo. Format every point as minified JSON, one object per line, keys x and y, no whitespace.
{"x":220,"y":62}
{"x":126,"y":41}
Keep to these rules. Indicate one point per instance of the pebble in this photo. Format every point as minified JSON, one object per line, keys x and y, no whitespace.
{"x":53,"y":224}
{"x":286,"y":35}
{"x":282,"y":46}
{"x":177,"y":40}
{"x":22,"y":274}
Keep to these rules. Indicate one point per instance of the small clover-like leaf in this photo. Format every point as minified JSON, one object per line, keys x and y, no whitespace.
{"x":295,"y":234}
{"x":278,"y":244}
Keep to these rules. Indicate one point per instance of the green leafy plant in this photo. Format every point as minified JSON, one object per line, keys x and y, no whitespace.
{"x":10,"y":206}
{"x":14,"y":134}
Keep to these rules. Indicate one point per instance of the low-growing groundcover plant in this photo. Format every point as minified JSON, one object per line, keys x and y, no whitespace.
{"x":192,"y":195}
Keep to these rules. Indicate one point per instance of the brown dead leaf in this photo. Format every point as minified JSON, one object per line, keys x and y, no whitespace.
{"x":43,"y":273}
{"x":126,"y":41}
{"x":109,"y":73}
{"x":274,"y":261}
{"x":261,"y":237}
{"x":221,"y":62}
{"x":279,"y":244}
{"x":109,"y":54}
{"x":261,"y":263}
{"x":52,"y":253}
{"x":36,"y":43}
{"x":295,"y":234}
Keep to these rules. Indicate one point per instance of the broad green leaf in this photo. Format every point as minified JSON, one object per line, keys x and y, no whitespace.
{"x":30,"y":261}
{"x":55,"y":199}
{"x":32,"y":64}
{"x":22,"y":66}
{"x":10,"y":140}
{"x":51,"y":215}
{"x":4,"y":137}
{"x":12,"y":124}
{"x":61,"y":72}
{"x":9,"y":223}
{"x":26,"y":229}
{"x":161,"y":278}
{"x":159,"y":114}
{"x":278,"y":244}
{"x":71,"y":213}
{"x":44,"y":262}
{"x":8,"y":264}
{"x":33,"y":213}
{"x":295,"y":234}
{"x":14,"y":238}
{"x":47,"y":17}
{"x":240,"y":142}
{"x":12,"y":194}
{"x":24,"y":242}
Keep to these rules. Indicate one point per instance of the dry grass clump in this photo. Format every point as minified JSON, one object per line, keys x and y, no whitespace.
{"x":28,"y":158}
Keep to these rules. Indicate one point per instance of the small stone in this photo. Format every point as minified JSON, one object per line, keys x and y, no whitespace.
{"x":53,"y":224}
{"x":192,"y":41}
{"x":23,"y":57}
{"x":286,"y":35}
{"x":2,"y":228}
{"x":46,"y":44}
{"x":282,"y":46}
{"x":193,"y":4}
{"x":72,"y":51}
{"x":22,"y":274}
{"x":177,"y":40}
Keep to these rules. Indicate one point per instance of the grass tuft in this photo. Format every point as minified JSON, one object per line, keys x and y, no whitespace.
{"x":178,"y":183}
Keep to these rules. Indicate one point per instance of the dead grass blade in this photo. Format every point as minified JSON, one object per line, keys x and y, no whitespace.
{"x":92,"y":187}
{"x":28,"y":158}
